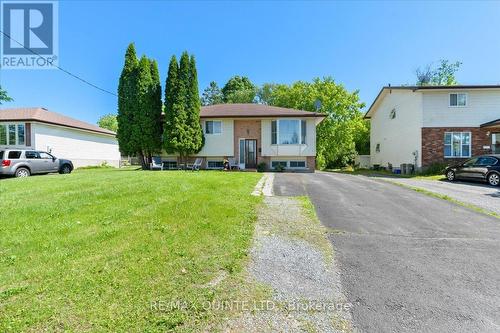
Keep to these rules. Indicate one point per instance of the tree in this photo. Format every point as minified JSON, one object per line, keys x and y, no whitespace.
{"x":336,"y":134}
{"x":139,"y":107}
{"x":108,"y":121}
{"x":127,"y":102}
{"x":443,"y":75}
{"x":265,"y":93}
{"x":212,"y":95}
{"x":4,"y":97}
{"x":239,"y":90}
{"x":182,"y":132}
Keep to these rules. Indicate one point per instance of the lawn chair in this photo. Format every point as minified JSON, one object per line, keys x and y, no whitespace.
{"x":196,"y":165}
{"x":232,"y":164}
{"x":156,"y":163}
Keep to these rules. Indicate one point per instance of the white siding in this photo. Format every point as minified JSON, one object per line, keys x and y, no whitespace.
{"x":482,"y":106}
{"x":398,"y":137}
{"x":83,"y":148}
{"x":309,"y":149}
{"x":219,"y":144}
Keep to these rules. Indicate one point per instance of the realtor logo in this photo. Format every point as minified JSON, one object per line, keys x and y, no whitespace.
{"x":30,"y":36}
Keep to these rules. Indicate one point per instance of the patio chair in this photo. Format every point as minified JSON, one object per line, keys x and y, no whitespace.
{"x":156,"y":163}
{"x":196,"y":165}
{"x":233,"y":164}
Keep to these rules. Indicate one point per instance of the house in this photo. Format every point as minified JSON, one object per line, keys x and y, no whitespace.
{"x":251,"y":134}
{"x":64,"y":137}
{"x":423,"y":125}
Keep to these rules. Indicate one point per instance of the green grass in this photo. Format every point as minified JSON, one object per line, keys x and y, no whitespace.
{"x":92,"y":250}
{"x":369,"y":172}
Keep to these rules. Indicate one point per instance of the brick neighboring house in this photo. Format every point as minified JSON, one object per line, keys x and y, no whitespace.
{"x":434,"y":124}
{"x":253,"y":133}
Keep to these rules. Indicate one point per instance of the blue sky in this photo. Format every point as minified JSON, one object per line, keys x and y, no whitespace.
{"x":363,"y":45}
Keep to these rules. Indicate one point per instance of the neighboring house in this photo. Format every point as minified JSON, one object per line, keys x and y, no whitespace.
{"x":253,"y":133}
{"x":39,"y":129}
{"x":434,"y":124}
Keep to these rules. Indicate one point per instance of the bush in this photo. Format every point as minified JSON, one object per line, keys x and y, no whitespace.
{"x":261,"y":167}
{"x":279,"y":168}
{"x":434,"y":169}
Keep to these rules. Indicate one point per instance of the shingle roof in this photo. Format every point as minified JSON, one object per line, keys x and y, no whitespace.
{"x":252,"y":111}
{"x":493,"y":123}
{"x":45,"y":116}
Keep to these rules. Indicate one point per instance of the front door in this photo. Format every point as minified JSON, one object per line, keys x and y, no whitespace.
{"x":250,"y":153}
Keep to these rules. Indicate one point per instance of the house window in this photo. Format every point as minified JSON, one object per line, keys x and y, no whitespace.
{"x":495,"y":143}
{"x":459,"y":99}
{"x":215,"y":165}
{"x":457,"y":144}
{"x":274,"y":164}
{"x":213,"y":127}
{"x":297,"y":164}
{"x":288,"y":132}
{"x":12,"y":134}
{"x":170,"y":165}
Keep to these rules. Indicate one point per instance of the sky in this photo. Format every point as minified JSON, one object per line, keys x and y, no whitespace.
{"x":362,"y":45}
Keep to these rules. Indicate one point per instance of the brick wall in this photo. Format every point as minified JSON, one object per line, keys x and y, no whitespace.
{"x":247,"y":129}
{"x":433,"y":143}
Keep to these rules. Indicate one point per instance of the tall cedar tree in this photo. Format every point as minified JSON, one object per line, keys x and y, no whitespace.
{"x":127,"y":102}
{"x":139,"y":108}
{"x":183,"y":133}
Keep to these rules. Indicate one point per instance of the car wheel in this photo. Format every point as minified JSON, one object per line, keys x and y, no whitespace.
{"x":494,"y":179}
{"x":450,"y":175}
{"x":22,"y":172}
{"x":66,"y":169}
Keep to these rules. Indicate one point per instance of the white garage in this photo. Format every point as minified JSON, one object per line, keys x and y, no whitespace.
{"x":64,"y":137}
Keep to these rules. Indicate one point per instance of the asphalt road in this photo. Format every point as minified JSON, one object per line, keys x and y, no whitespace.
{"x":409,"y":262}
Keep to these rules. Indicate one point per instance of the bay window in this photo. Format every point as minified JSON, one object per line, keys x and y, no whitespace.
{"x":457,"y":144}
{"x":12,"y":134}
{"x":288,"y":132}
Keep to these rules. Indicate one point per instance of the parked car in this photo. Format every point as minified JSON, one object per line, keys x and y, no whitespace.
{"x":23,"y":163}
{"x":481,"y":168}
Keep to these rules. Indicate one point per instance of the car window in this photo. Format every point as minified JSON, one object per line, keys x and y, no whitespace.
{"x":45,"y":156}
{"x":14,"y":155}
{"x":31,"y":154}
{"x":1,"y":155}
{"x":486,"y":161}
{"x":470,"y":162}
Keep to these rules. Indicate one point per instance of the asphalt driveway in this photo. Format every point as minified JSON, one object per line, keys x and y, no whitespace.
{"x":482,"y":195}
{"x":408,"y":262}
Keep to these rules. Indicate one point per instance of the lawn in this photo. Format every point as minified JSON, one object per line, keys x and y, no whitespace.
{"x":108,"y":250}
{"x":385,"y":173}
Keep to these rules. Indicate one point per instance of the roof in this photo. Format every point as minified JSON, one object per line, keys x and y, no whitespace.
{"x":45,"y":116}
{"x":384,"y":89}
{"x":252,"y":111}
{"x":493,"y":123}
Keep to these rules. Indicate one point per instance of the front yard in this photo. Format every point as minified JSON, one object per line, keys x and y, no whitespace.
{"x":108,"y":250}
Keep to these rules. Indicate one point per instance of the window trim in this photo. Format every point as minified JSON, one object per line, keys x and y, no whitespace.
{"x":461,"y":144}
{"x":300,"y":120}
{"x":458,"y":106}
{"x":16,"y":124}
{"x":213,"y":121}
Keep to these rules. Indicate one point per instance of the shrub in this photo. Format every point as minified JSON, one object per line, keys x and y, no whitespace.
{"x":279,"y":168}
{"x":261,"y":167}
{"x":434,"y":169}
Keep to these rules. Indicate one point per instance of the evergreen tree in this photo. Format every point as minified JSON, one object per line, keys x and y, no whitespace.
{"x":212,"y":95}
{"x":127,"y":101}
{"x":182,"y":133}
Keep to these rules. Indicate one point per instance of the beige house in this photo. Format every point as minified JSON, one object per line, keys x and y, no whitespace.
{"x":249,"y":134}
{"x":423,"y":125}
{"x":64,"y":137}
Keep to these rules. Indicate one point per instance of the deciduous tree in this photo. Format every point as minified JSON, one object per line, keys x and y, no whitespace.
{"x":108,"y":121}
{"x":239,"y":89}
{"x":212,"y":95}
